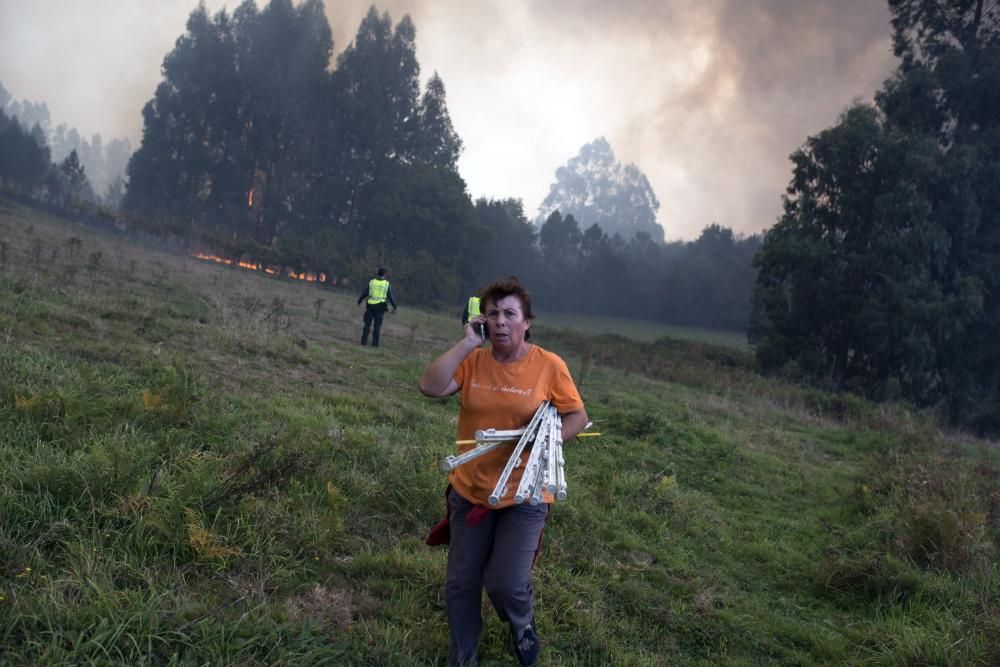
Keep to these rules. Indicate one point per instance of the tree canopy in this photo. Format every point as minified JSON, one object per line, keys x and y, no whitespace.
{"x":596,"y":189}
{"x":883,"y":274}
{"x":24,"y":156}
{"x":252,"y":144}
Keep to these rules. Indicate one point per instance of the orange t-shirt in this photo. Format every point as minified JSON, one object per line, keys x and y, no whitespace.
{"x":505,"y":396}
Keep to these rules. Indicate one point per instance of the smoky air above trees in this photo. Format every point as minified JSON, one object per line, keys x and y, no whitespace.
{"x":707,"y":99}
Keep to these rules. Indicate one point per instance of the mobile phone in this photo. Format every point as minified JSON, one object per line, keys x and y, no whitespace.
{"x":483,"y":330}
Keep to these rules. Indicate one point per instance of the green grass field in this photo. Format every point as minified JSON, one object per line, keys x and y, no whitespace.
{"x":199,"y":465}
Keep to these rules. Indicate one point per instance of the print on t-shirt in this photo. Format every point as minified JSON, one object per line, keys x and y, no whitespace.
{"x":506,"y":390}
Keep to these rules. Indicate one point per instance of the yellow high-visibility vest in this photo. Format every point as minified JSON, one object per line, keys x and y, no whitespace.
{"x":473,"y":308}
{"x":377,"y":291}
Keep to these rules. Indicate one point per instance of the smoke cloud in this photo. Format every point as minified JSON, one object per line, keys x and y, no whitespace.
{"x":707,"y":97}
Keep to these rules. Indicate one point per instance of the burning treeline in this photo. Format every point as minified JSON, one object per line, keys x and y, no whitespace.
{"x":309,"y":276}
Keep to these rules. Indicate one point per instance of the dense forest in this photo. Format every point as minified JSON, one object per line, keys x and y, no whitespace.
{"x":883,"y":275}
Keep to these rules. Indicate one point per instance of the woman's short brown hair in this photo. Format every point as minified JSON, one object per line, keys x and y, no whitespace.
{"x":501,"y":289}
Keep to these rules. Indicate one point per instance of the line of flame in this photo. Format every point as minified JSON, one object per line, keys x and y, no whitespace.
{"x":309,"y":276}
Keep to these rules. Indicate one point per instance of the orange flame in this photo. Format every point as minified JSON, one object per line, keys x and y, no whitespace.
{"x":250,"y":199}
{"x":308,"y":276}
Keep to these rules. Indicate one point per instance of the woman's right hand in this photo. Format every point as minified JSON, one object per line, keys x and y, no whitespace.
{"x":475,"y":330}
{"x":438,"y":378}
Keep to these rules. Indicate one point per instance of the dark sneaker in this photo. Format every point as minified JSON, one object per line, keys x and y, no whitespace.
{"x":526,"y":645}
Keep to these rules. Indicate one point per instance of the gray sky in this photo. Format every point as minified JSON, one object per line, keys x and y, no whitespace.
{"x":707,"y":97}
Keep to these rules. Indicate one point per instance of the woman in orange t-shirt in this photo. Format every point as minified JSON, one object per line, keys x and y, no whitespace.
{"x":500,"y":387}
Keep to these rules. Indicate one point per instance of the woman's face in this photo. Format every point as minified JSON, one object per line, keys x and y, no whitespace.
{"x":506,"y":322}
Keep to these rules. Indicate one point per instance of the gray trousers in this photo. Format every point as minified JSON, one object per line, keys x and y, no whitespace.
{"x":498,"y":553}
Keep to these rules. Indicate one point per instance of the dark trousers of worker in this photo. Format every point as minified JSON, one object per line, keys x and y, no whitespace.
{"x":373,"y":314}
{"x":497,"y":553}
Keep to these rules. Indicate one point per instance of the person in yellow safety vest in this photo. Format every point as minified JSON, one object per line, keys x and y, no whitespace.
{"x":471,"y":309}
{"x":379,"y":297}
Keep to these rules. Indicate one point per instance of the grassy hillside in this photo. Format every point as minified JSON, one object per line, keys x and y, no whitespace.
{"x":200,"y":465}
{"x":642,"y":330}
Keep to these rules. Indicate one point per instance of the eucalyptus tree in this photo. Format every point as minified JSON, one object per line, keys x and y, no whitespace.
{"x":560,"y":239}
{"x":602,"y":276}
{"x":947,"y":82}
{"x":376,"y":85}
{"x":224,"y":135}
{"x":596,"y":188}
{"x":883,"y":274}
{"x":282,"y":55}
{"x":436,"y":143}
{"x":849,"y":285}
{"x":178,"y":175}
{"x":24,"y":156}
{"x":252,"y":143}
{"x":420,"y":221}
{"x":511,"y":241}
{"x":76,"y":191}
{"x":708,"y":281}
{"x":948,"y":88}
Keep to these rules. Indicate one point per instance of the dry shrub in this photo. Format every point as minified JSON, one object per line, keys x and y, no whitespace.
{"x":943,"y":517}
{"x":938,"y":537}
{"x":266,"y":466}
{"x":334,"y":609}
{"x":707,"y":601}
{"x":134,"y":505}
{"x":172,"y":394}
{"x":987,"y":473}
{"x":205,"y":543}
{"x":840,"y":407}
{"x":869,"y":576}
{"x":633,"y":424}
